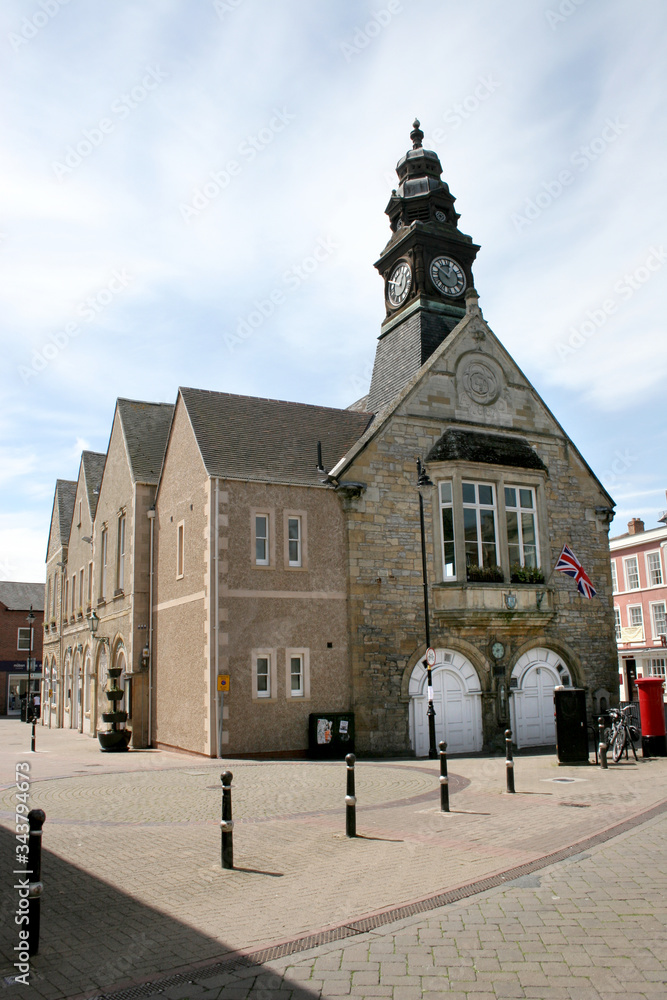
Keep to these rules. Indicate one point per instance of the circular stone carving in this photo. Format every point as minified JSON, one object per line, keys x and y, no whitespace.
{"x":481,"y":382}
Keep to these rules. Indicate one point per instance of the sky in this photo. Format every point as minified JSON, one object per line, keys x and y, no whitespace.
{"x":167,"y":165}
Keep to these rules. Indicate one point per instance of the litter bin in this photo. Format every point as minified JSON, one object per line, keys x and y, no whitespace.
{"x":330,"y":735}
{"x":571,"y":725}
{"x":652,"y":714}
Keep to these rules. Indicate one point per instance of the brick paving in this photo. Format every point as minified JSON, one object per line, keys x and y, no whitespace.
{"x":134,"y":888}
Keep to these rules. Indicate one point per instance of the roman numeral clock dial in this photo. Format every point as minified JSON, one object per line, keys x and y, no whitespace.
{"x":399,"y":284}
{"x":448,"y":276}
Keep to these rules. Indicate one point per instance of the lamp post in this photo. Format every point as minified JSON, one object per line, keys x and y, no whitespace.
{"x":29,"y":709}
{"x":422,"y":481}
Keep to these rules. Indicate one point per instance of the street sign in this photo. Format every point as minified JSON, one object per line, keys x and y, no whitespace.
{"x":430,"y":657}
{"x":223,"y":682}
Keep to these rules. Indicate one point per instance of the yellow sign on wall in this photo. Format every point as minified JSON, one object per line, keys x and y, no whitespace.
{"x":223,"y":682}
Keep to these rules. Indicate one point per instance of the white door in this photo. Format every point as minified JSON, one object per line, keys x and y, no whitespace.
{"x":533,"y":722}
{"x":458,"y":718}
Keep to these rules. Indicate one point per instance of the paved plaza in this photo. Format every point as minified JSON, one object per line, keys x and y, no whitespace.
{"x":468,"y":903}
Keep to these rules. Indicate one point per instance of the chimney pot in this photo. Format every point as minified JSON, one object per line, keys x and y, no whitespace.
{"x":635,"y":526}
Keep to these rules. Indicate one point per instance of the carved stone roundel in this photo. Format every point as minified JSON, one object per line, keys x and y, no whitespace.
{"x":481,"y":382}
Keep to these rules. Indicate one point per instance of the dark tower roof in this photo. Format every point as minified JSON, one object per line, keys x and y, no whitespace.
{"x":421,"y":192}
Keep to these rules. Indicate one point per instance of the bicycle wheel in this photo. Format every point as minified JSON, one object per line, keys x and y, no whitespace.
{"x":618,"y":746}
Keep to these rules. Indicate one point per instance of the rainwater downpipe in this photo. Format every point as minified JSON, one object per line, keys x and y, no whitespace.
{"x":150,"y":513}
{"x":216,"y":619}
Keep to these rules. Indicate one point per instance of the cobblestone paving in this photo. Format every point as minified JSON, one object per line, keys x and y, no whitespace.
{"x":133,"y":883}
{"x":590,"y":928}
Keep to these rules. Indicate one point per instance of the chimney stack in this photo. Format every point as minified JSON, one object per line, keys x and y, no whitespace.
{"x":635,"y":526}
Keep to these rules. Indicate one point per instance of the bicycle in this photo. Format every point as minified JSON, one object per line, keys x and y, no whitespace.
{"x":620,"y":733}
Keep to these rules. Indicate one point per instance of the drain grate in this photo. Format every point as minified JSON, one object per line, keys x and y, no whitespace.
{"x":354,"y":927}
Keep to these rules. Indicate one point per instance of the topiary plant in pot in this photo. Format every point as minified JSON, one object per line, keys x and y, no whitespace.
{"x":117,"y":737}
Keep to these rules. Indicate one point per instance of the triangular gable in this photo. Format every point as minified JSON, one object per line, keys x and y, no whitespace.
{"x":469,"y":388}
{"x":61,"y":513}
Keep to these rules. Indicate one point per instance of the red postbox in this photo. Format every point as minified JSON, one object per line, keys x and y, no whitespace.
{"x":652,"y":712}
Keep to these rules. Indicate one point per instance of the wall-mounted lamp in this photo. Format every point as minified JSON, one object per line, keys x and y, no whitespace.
{"x":94,"y":624}
{"x":87,"y":538}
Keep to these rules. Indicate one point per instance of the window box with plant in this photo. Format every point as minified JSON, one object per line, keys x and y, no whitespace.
{"x":485,"y":574}
{"x":525,"y":574}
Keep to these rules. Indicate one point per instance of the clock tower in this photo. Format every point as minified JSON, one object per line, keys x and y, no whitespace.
{"x":426,"y":267}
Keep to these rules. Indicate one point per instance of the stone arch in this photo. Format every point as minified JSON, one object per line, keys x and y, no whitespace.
{"x":535,"y":674}
{"x":89,"y":691}
{"x":457,"y":694}
{"x":568,"y":656}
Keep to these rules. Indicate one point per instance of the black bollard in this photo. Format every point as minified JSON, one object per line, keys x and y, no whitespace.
{"x":350,"y":799}
{"x":32,"y":739}
{"x":227,"y":823}
{"x":444,"y":780}
{"x":509,"y":761}
{"x":36,"y":819}
{"x":602,"y":748}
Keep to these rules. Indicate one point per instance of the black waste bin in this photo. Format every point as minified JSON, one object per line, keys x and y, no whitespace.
{"x":330,"y":735}
{"x":571,"y":725}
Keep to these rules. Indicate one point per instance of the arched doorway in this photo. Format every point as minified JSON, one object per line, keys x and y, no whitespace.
{"x":75,"y":700}
{"x":67,"y":693}
{"x":88,"y":696}
{"x":456,"y":700}
{"x":534,"y":677}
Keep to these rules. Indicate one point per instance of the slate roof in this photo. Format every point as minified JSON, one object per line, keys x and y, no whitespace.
{"x":65,"y":496}
{"x":19,"y":596}
{"x":269,"y":440}
{"x":492,"y":449}
{"x":93,"y":467}
{"x":146,"y":429}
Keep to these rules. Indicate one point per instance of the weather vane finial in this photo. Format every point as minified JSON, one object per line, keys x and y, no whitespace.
{"x":416,"y":135}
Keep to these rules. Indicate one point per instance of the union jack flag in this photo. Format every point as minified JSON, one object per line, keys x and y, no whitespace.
{"x":568,"y":563}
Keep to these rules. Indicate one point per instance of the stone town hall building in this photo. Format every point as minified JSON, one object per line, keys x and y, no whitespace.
{"x":303,"y":585}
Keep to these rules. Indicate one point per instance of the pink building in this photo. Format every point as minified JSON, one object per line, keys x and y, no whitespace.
{"x":639,"y":575}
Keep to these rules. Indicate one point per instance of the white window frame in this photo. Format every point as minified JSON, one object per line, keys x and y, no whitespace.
{"x":272,"y":674}
{"x":519,"y":510}
{"x":626,"y":561}
{"x":89,"y":600}
{"x":617,"y":623}
{"x":122,"y":543}
{"x":657,"y":667}
{"x":30,"y":638}
{"x":614,"y":578}
{"x":478,"y":507}
{"x":654,"y":624}
{"x":639,"y":608}
{"x":180,"y":550}
{"x":443,"y":506}
{"x":301,"y":562}
{"x":304,"y":656}
{"x":267,"y":539}
{"x":104,"y":558}
{"x":649,"y":581}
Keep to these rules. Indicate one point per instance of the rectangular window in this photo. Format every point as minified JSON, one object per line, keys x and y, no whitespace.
{"x":263,"y":676}
{"x":25,"y":639}
{"x":66,"y":601}
{"x":262,"y":539}
{"x":659,"y":614}
{"x":180,"y":549}
{"x":614,"y":581}
{"x":296,"y":676}
{"x":521,"y":526}
{"x":657,"y":667}
{"x":635,"y":616}
{"x":631,"y":574}
{"x":103,"y":563}
{"x":654,"y":569}
{"x":73,"y":594}
{"x":120,"y":571}
{"x":447,"y":518}
{"x":294,"y":541}
{"x":79,"y":521}
{"x":617,"y":624}
{"x":81,"y":575}
{"x":479,"y":525}
{"x":48,"y":596}
{"x":89,"y":600}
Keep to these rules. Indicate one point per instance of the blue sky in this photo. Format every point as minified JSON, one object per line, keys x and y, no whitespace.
{"x":167,"y":165}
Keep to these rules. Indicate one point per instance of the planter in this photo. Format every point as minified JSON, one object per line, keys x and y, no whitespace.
{"x":114,"y":716}
{"x":115,"y":695}
{"x":115,"y":741}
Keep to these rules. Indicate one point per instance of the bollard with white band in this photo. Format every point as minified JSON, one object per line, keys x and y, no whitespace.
{"x":227,"y":823}
{"x":350,"y":799}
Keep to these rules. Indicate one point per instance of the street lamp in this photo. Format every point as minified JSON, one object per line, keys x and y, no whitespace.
{"x":423,"y":481}
{"x":29,"y":709}
{"x":94,"y":624}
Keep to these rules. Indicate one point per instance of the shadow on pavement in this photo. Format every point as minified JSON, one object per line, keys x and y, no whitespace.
{"x":97,"y":940}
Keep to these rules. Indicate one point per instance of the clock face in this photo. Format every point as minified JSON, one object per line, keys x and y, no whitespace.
{"x":440,"y":216}
{"x":448,"y":276}
{"x":497,"y":649}
{"x":399,"y":284}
